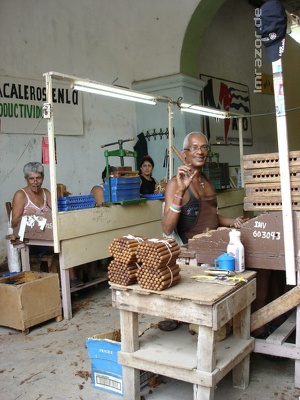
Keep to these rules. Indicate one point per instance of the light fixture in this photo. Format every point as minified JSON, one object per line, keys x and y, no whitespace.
{"x":201,"y":110}
{"x":113,"y":91}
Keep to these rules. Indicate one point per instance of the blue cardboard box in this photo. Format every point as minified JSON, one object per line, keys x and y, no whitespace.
{"x":106,"y":372}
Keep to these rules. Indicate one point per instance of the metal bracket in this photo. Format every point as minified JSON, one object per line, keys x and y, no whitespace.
{"x":47,"y":111}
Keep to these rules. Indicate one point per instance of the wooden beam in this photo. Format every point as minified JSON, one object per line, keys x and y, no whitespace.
{"x":277,"y":307}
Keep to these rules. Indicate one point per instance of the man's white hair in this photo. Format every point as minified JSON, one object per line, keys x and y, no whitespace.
{"x":187,"y":138}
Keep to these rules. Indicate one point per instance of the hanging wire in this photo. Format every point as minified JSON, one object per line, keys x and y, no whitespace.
{"x":264,"y":114}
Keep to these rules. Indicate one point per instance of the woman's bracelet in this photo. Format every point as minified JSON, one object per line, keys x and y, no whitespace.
{"x":178,"y":197}
{"x":175,"y":209}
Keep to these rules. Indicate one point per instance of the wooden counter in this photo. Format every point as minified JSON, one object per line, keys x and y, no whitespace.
{"x":85,"y":236}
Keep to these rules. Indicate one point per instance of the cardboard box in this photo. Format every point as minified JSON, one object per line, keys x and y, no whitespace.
{"x":106,"y":372}
{"x":29,"y":298}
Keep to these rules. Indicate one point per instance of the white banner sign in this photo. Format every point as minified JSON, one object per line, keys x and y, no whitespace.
{"x":21,"y":103}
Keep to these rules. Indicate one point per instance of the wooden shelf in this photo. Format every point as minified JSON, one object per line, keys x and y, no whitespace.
{"x":88,"y":284}
{"x":176,"y":352}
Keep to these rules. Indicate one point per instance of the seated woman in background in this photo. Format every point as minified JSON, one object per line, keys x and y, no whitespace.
{"x":148,"y":183}
{"x":33,"y":199}
{"x":98,"y":190}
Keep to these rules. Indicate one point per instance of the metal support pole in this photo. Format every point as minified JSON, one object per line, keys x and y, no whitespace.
{"x":52,"y":162}
{"x":241,"y":144}
{"x":171,"y":128}
{"x":286,"y":197}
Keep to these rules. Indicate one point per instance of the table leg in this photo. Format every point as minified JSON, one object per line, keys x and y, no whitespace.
{"x":206,"y":360}
{"x":130,"y":343}
{"x":241,"y":329}
{"x":297,"y":345}
{"x":65,"y":288}
{"x":25,"y":260}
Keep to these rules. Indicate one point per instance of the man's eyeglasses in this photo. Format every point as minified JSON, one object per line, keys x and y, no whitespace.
{"x":38,"y":178}
{"x":204,"y":147}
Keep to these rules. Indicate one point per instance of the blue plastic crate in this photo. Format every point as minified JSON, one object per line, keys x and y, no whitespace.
{"x":121,"y":195}
{"x":122,"y":189}
{"x":124,"y":181}
{"x":76,"y":199}
{"x":75,"y":206}
{"x":157,"y":196}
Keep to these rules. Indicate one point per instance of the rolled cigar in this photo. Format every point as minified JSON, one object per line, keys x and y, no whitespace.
{"x":160,"y":248}
{"x":179,"y":155}
{"x":169,"y":278}
{"x":167,"y":284}
{"x":166,"y":276}
{"x":171,"y":272}
{"x":167,"y":281}
{"x":167,"y":257}
{"x":167,"y":250}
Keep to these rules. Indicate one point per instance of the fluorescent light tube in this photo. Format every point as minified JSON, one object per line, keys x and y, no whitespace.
{"x":201,"y":110}
{"x":113,"y":91}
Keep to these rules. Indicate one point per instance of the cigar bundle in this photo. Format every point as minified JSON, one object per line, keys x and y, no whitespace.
{"x":123,"y":268}
{"x":158,"y":252}
{"x":158,"y":278}
{"x":124,"y":248}
{"x":159,"y":270}
{"x":122,"y":274}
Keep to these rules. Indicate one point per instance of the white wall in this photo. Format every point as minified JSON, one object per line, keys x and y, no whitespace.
{"x":103,"y":40}
{"x":228,"y":52}
{"x":231,"y":35}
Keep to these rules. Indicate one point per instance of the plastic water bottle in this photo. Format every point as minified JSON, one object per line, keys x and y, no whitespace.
{"x":236,"y":249}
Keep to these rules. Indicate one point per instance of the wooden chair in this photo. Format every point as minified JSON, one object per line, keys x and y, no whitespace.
{"x":50,"y":259}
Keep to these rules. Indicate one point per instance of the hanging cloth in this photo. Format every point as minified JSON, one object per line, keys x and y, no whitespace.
{"x":141,"y":148}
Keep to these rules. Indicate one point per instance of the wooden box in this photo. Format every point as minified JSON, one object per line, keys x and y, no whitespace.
{"x":263,"y":184}
{"x":261,"y":236}
{"x":28,"y":299}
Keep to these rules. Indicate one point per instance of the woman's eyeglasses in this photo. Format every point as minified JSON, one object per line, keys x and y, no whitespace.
{"x":204,"y":147}
{"x":38,"y":178}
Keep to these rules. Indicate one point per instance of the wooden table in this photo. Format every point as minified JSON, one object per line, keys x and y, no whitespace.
{"x":202,"y":362}
{"x":263,"y":240}
{"x":85,"y":236}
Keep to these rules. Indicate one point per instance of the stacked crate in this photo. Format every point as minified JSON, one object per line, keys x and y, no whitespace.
{"x":218,"y":173}
{"x":262,"y":181}
{"x":121,"y":189}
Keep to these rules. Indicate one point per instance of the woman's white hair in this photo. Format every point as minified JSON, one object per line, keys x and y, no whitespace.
{"x":31,"y":167}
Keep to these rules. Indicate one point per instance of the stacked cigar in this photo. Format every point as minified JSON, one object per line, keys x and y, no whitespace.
{"x":159,"y":270}
{"x":123,"y":268}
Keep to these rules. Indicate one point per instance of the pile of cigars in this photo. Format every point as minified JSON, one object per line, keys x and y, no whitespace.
{"x":149,"y":262}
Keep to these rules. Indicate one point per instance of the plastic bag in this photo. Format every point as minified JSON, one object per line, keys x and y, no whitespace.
{"x":13,"y":254}
{"x":174,"y":235}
